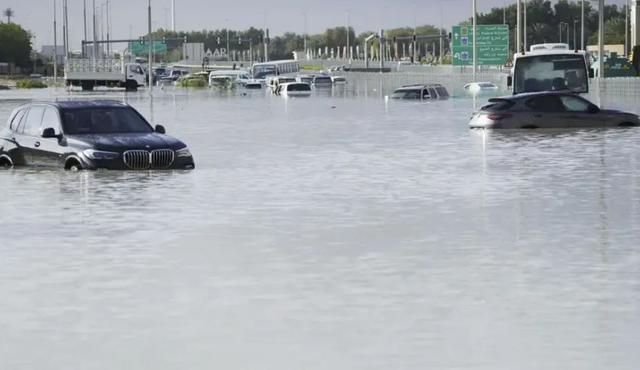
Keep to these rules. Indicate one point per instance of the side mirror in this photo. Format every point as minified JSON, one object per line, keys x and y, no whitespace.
{"x":160,"y":129}
{"x":509,"y":81}
{"x":592,"y":73}
{"x":49,"y":133}
{"x":593,"y":109}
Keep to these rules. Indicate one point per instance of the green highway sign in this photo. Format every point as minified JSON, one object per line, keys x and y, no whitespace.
{"x":142,"y":48}
{"x":493,"y":45}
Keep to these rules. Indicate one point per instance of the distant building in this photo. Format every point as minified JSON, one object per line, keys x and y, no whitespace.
{"x":48,"y":51}
{"x":608,"y":49}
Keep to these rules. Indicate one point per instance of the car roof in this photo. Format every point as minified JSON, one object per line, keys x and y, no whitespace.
{"x":77,"y":104}
{"x":418,"y":86}
{"x":529,"y":95}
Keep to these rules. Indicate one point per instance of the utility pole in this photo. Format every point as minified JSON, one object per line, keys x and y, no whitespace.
{"x":150,"y":54}
{"x":64,"y":28}
{"x":525,"y":25}
{"x":518,"y":26}
{"x":266,"y":45}
{"x":173,"y":15}
{"x":381,"y":50}
{"x":601,"y":39}
{"x":348,"y":50}
{"x":108,"y":43}
{"x":626,"y":29}
{"x":582,"y":28}
{"x":55,"y":45}
{"x":84,"y":19}
{"x":228,"y":51}
{"x":475,"y":38}
{"x":94,"y":49}
{"x":575,"y":45}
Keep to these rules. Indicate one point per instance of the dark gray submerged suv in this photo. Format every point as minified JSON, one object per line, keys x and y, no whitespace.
{"x":88,"y":135}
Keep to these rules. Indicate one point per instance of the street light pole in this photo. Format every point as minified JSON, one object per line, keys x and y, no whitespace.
{"x":626,"y":28}
{"x":518,"y":26}
{"x":575,"y":45}
{"x":55,"y":45}
{"x":601,"y":38}
{"x":525,"y":24}
{"x":475,"y":38}
{"x":150,"y":53}
{"x":582,"y":27}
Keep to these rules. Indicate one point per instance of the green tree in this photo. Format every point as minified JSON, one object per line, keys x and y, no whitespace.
{"x":16,"y":45}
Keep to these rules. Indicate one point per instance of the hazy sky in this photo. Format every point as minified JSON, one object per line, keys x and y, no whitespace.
{"x":129,"y":17}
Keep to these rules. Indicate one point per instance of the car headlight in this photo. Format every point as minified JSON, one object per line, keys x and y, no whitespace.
{"x":98,"y":154}
{"x":183,"y":153}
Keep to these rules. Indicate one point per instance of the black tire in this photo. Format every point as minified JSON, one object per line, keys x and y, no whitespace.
{"x":627,"y":124}
{"x":73,"y":165}
{"x":131,"y":85}
{"x":87,"y":86}
{"x":5,"y":163}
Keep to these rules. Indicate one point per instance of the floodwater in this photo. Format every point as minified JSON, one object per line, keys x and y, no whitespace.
{"x":334,"y":232}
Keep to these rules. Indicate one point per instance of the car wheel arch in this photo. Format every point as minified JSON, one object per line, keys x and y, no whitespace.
{"x":6,"y":161}
{"x":72,"y":161}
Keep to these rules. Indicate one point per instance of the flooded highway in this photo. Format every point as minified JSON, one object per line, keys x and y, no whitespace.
{"x":338,"y":231}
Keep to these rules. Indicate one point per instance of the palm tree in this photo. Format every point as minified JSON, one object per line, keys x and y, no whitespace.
{"x":8,"y":13}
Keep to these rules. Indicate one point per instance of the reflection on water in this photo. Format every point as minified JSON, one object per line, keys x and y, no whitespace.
{"x":331,"y":232}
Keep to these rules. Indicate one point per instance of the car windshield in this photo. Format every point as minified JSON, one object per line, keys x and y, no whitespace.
{"x":263,"y":71}
{"x":111,"y":120}
{"x":551,"y":72}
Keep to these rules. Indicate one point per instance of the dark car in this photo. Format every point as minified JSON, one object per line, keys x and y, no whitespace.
{"x":88,"y":135}
{"x":548,"y":110}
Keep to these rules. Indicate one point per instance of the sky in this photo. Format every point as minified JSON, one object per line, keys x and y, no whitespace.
{"x":129,"y":17}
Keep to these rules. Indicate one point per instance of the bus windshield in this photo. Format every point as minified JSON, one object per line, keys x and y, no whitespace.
{"x":551,"y":72}
{"x":260,"y":72}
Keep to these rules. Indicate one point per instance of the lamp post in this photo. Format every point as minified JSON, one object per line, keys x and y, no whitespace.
{"x":55,"y":45}
{"x":518,"y":26}
{"x":150,"y":53}
{"x":525,"y":24}
{"x":475,"y":37}
{"x":582,"y":27}
{"x":575,"y":45}
{"x":600,"y":38}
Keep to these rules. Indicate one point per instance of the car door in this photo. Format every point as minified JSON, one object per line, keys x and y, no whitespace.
{"x":546,"y":112}
{"x":50,"y":152}
{"x":13,"y":148}
{"x":28,"y":134}
{"x":579,"y":113}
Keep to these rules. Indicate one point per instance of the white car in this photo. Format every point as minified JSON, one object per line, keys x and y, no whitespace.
{"x":338,"y":80}
{"x":476,"y":88}
{"x":291,"y":89}
{"x":229,"y":77}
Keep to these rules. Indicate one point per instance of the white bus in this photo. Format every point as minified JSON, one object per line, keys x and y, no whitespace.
{"x":260,"y":71}
{"x":550,"y":67}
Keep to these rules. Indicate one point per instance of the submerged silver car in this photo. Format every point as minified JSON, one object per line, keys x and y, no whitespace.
{"x":548,"y":110}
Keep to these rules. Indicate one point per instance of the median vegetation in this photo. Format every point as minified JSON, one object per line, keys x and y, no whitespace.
{"x":193,"y":83}
{"x":30,"y":84}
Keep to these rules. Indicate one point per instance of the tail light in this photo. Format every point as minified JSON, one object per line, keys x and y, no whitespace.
{"x":499,"y":116}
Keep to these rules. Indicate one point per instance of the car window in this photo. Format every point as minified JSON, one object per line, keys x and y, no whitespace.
{"x":574,"y":104}
{"x":51,"y":119}
{"x":425,"y":94}
{"x":442,"y":92}
{"x":33,"y":121}
{"x":548,"y":103}
{"x":15,"y":122}
{"x":433,"y":93}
